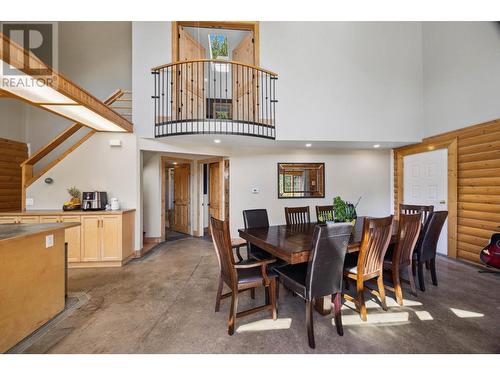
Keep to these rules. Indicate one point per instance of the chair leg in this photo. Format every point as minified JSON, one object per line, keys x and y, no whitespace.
{"x":337,"y":306}
{"x":346,"y":283}
{"x":433,"y":271}
{"x":411,"y":278}
{"x":396,"y":282}
{"x":266,"y":296}
{"x":427,"y":265}
{"x":252,"y":293}
{"x":421,"y":281}
{"x":232,"y":312}
{"x":360,"y":289}
{"x":309,"y":323}
{"x":381,"y":291}
{"x":272,"y":295}
{"x":219,"y":293}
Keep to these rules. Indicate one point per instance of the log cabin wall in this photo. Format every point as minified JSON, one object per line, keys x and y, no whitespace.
{"x":12,"y":154}
{"x":477,"y":183}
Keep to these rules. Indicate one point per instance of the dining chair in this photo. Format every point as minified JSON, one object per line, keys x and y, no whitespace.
{"x":426,"y":248}
{"x":409,"y":209}
{"x":256,"y":218}
{"x":324,"y":212}
{"x":367,"y":264}
{"x":239,"y":277}
{"x":322,"y":274}
{"x":402,"y":255}
{"x":297,"y":215}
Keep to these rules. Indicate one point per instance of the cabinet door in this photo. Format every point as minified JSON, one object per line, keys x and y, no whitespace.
{"x":29,"y":219}
{"x":72,"y":238}
{"x":8,"y":219}
{"x":111,"y":237}
{"x":49,"y":219}
{"x":91,"y":239}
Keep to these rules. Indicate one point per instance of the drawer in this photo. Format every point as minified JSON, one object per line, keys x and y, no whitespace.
{"x":49,"y":219}
{"x":29,"y":219}
{"x":8,"y":219}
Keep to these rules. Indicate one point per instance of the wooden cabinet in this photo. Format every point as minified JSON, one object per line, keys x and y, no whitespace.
{"x":102,"y":239}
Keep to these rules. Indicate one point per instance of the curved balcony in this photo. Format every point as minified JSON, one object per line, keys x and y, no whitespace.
{"x":214,"y":97}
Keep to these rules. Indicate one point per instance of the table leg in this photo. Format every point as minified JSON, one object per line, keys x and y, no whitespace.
{"x":323,"y":305}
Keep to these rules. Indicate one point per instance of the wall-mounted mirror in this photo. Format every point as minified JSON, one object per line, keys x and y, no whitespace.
{"x":301,"y":180}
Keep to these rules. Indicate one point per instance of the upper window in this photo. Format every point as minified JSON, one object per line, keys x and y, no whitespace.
{"x":218,"y":47}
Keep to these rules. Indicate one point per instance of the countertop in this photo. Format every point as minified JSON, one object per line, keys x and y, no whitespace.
{"x":61,"y":212}
{"x":11,"y":231}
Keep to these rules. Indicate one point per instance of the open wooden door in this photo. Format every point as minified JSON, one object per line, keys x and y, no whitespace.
{"x":181,"y":198}
{"x":245,"y":81}
{"x":188,"y":98}
{"x":214,"y":192}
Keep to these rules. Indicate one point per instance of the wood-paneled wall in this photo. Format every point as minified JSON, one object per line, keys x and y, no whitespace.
{"x":12,"y":154}
{"x":478,"y":184}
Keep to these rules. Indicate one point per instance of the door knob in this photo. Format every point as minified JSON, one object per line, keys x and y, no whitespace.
{"x":442,"y":202}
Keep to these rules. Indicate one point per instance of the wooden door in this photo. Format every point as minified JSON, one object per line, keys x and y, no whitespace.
{"x":91,"y":238}
{"x":188,"y":98}
{"x":214,"y":190}
{"x":244,"y":81}
{"x":180,"y":222}
{"x":110,"y":234}
{"x":72,"y":238}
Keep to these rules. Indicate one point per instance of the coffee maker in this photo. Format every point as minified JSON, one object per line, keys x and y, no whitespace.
{"x":94,"y":200}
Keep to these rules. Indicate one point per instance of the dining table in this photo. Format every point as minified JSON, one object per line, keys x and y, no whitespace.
{"x":292,"y":244}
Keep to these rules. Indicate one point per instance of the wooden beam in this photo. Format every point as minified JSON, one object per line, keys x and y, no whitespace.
{"x":15,"y":55}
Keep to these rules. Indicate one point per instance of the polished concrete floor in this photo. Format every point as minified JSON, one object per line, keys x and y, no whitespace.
{"x":164,"y":303}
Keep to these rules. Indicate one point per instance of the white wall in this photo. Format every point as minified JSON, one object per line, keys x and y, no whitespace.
{"x":461,"y":74}
{"x":12,"y":120}
{"x":343,"y":81}
{"x":151,"y":190}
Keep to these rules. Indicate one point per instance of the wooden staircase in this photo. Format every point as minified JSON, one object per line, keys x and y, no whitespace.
{"x":120,"y":101}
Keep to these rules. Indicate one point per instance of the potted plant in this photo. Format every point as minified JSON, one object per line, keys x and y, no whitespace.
{"x":74,"y":203}
{"x":345,"y":212}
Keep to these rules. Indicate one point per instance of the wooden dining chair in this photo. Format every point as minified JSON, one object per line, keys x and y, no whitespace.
{"x":325,"y":213}
{"x":239,"y":277}
{"x":426,"y":249}
{"x":367,"y":264}
{"x":402,"y":255}
{"x":322,"y":274}
{"x":297,"y":215}
{"x":411,"y":209}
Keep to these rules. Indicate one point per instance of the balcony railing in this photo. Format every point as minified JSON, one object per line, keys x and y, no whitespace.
{"x":214,"y":97}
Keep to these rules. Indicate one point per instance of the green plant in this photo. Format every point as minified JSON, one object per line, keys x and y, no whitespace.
{"x":344,"y":211}
{"x":74,"y":192}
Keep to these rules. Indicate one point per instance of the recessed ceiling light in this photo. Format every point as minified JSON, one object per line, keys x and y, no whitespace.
{"x":217,"y":140}
{"x":308,"y":145}
{"x":376,"y":146}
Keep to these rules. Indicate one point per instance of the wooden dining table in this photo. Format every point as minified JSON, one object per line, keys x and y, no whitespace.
{"x":292,"y":244}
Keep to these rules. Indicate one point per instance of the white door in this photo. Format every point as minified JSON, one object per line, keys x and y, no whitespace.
{"x":426,"y":183}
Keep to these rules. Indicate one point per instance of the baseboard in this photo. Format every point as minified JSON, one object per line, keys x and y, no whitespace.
{"x":152,"y":239}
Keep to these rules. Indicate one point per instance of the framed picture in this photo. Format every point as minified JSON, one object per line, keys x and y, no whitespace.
{"x":220,"y":109}
{"x":301,"y":180}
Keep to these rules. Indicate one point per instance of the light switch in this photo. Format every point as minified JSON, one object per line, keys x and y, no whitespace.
{"x":49,"y":241}
{"x":30,"y":201}
{"x":255,"y":190}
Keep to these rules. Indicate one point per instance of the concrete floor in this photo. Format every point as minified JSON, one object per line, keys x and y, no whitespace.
{"x":164,"y":303}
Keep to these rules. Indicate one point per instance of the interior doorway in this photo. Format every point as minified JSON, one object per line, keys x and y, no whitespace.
{"x":426,"y":183}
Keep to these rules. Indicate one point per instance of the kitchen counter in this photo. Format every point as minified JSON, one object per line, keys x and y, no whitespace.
{"x":61,"y":212}
{"x":32,"y":278}
{"x":10,"y":231}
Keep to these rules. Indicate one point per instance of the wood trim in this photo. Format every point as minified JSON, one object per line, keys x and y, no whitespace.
{"x":235,"y":25}
{"x":15,"y":55}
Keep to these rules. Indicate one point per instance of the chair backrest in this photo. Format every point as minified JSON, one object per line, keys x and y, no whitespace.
{"x":326,"y":259}
{"x":222,"y":243}
{"x":424,"y":211}
{"x":325,"y":212}
{"x":427,"y":244}
{"x":297,"y":215}
{"x":256,"y":218}
{"x":377,"y":234}
{"x":408,"y":232}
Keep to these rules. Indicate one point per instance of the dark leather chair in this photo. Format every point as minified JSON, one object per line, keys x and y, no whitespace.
{"x":256,"y":218}
{"x":322,"y":275}
{"x":297,"y":215}
{"x":367,"y":264}
{"x":240,"y":277}
{"x":402,"y":256}
{"x":325,"y":213}
{"x":425,"y":250}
